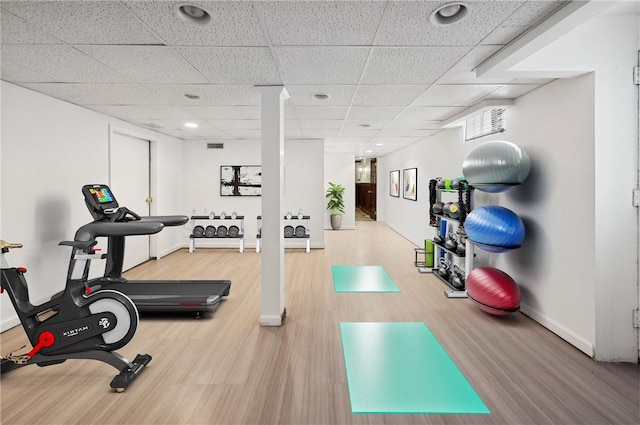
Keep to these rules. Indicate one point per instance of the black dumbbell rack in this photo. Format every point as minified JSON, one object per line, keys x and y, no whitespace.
{"x":307,"y":234}
{"x":199,"y":218}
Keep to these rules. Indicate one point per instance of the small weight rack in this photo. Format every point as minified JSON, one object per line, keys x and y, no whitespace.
{"x":211,"y":232}
{"x":290,"y":232}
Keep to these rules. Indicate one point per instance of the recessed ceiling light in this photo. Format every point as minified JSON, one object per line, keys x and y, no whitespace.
{"x":191,"y":96}
{"x":321,"y":96}
{"x":449,"y":13}
{"x":193,"y":14}
{"x":369,"y":151}
{"x":191,"y":125}
{"x":379,"y":144}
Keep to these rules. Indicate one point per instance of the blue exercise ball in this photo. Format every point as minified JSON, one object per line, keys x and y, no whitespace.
{"x":495,"y":229}
{"x":496,"y":166}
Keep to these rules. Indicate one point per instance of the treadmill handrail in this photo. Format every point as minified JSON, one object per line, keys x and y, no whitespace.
{"x":95,"y":229}
{"x":167,"y":220}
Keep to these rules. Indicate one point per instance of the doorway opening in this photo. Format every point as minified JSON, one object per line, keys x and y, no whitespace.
{"x":366,"y":175}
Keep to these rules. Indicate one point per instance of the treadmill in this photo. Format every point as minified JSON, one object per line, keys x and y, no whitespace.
{"x":198,"y":296}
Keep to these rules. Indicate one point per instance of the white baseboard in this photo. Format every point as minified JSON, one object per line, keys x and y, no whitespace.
{"x":568,"y":335}
{"x":173,"y":249}
{"x":407,"y":237}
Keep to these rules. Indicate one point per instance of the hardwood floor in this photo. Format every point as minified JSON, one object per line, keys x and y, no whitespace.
{"x":225,"y":369}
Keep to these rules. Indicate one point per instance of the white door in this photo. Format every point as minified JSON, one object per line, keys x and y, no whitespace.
{"x":638,"y":186}
{"x":129,"y":182}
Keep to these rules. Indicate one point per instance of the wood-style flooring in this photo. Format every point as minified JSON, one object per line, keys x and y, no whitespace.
{"x":226,"y":369}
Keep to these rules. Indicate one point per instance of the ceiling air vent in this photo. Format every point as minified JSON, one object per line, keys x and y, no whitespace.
{"x":215,"y":145}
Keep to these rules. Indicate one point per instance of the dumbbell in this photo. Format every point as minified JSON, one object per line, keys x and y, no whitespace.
{"x":210,"y":232}
{"x":198,"y":232}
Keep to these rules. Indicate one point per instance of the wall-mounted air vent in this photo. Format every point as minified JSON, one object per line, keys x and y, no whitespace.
{"x":215,"y":145}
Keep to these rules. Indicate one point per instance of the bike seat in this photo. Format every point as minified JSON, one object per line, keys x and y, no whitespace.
{"x":9,"y":245}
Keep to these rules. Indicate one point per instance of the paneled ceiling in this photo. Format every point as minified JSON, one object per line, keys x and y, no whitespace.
{"x":392,"y":76}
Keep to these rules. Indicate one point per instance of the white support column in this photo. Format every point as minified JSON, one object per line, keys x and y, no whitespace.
{"x":272,"y":308}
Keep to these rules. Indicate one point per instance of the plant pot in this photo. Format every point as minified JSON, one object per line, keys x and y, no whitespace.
{"x":336,"y":221}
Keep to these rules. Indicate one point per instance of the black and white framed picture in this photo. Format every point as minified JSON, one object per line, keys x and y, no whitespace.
{"x":394,"y":183}
{"x":410,"y":184}
{"x":241,"y":180}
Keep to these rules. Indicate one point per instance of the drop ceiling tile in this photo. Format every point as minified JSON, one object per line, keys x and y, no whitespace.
{"x":86,"y":22}
{"x":322,"y":22}
{"x":175,"y":94}
{"x":503,"y":35}
{"x":338,"y":95}
{"x":321,"y":112}
{"x":394,"y":140}
{"x":533,"y":12}
{"x":407,"y":23}
{"x":361,"y":133}
{"x":321,"y":134}
{"x":176,"y":124}
{"x":145,"y":64}
{"x":55,"y":63}
{"x":14,"y":30}
{"x":373,"y":124}
{"x":321,"y":65}
{"x":99,"y":94}
{"x":320,"y":124}
{"x":233,"y":23}
{"x":410,"y":65}
{"x":387,"y":95}
{"x":403,"y":124}
{"x":428,"y":113}
{"x":236,"y":124}
{"x":233,"y":65}
{"x":240,"y":95}
{"x":352,"y":140}
{"x":224,"y":112}
{"x":512,"y":91}
{"x":401,"y":132}
{"x":244,"y":134}
{"x":373,"y":112}
{"x":463,"y":72}
{"x":143,"y":112}
{"x":455,"y":95}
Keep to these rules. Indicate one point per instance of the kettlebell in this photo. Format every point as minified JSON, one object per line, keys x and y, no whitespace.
{"x":451,"y":242}
{"x":443,"y":270}
{"x":437,"y":239}
{"x":440,"y":184}
{"x":462,"y":246}
{"x":457,"y":280}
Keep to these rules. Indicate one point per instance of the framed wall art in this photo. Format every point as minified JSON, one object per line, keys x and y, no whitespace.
{"x":410,"y":184}
{"x":394,"y":183}
{"x":241,"y":180}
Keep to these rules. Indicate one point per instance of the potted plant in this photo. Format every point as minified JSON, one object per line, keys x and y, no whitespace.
{"x":335,"y":196}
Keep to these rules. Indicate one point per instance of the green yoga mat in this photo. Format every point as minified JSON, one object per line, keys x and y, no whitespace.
{"x":362,"y":279}
{"x":401,"y":368}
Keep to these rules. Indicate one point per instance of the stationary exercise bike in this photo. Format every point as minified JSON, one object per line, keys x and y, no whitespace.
{"x":77,"y":323}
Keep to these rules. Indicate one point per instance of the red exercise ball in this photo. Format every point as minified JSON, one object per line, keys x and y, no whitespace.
{"x":493,"y":291}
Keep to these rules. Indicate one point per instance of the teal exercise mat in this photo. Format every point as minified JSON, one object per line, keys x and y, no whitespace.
{"x":395,"y":368}
{"x":362,"y":279}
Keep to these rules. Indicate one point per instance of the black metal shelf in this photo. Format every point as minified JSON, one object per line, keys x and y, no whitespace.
{"x":217,"y":217}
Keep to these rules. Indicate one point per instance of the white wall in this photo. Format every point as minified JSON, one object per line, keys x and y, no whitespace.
{"x":340,"y":168}
{"x":303,"y":186}
{"x":609,"y":46}
{"x":577,"y":267}
{"x":50,"y":149}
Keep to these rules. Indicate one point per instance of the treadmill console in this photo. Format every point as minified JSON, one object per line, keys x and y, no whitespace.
{"x":99,"y":200}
